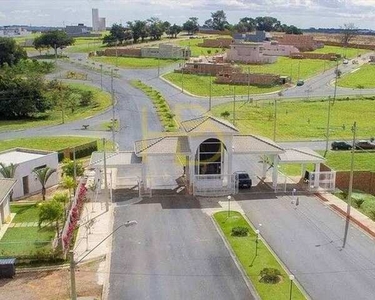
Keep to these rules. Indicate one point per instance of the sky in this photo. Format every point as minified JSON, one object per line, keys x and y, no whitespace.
{"x":302,"y":13}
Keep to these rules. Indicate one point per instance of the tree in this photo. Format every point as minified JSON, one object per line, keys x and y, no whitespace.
{"x":51,"y":212}
{"x":8,"y":172}
{"x":117,"y":34}
{"x":174,"y":30}
{"x":68,"y":168}
{"x":73,"y":101}
{"x":219,"y":20}
{"x":69,"y":183}
{"x":267,"y":24}
{"x":191,"y":25}
{"x":246,"y":25}
{"x":43,"y":174}
{"x":156,"y":28}
{"x":53,"y":39}
{"x":348,"y":32}
{"x":10,"y":52}
{"x":139,"y":30}
{"x":208,"y":24}
{"x":291,"y":29}
{"x":22,"y":95}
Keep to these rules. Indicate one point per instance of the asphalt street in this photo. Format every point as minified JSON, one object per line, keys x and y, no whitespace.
{"x":174,"y":252}
{"x":308,"y":239}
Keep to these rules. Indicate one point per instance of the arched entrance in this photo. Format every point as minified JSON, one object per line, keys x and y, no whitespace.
{"x":209,"y":157}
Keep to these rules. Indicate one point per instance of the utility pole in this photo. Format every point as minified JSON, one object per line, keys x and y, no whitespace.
{"x":329,"y":109}
{"x":101,"y":76}
{"x":274,"y":120}
{"x":248,"y":84}
{"x":113,"y":111}
{"x":74,"y":167}
{"x":159,"y":61}
{"x":182,"y":78}
{"x":116,"y":54}
{"x":210,"y":95}
{"x":299,"y":69}
{"x":349,"y":199}
{"x":234,"y":105}
{"x":73,"y":290}
{"x":105,"y":175}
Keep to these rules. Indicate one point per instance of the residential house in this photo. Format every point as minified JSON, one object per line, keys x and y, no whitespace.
{"x":249,"y":53}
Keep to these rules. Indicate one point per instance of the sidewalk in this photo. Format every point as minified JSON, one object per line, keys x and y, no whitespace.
{"x":96,"y":226}
{"x":356,"y":216}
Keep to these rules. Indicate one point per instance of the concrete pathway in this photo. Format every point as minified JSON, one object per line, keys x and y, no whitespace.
{"x":95,"y":226}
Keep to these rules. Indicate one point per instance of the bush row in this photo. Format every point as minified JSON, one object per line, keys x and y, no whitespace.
{"x":161,"y":105}
{"x":81,"y":150}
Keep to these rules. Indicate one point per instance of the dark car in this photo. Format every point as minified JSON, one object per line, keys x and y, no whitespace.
{"x":300,"y":83}
{"x":364,"y":145}
{"x":243,"y":179}
{"x":340,"y":145}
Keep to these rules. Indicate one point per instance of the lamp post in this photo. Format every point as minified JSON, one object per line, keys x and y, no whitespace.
{"x":101,"y":76}
{"x":291,"y":277}
{"x":229,"y":198}
{"x":73,"y":264}
{"x":256,"y":241}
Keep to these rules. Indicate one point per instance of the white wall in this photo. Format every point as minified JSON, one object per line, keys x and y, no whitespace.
{"x":4,"y":211}
{"x":26,"y":168}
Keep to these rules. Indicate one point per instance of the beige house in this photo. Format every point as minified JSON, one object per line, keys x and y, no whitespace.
{"x":249,"y":53}
{"x":6,"y":187}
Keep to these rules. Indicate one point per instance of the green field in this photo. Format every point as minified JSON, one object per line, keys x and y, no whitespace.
{"x":305,"y":68}
{"x":26,"y":241}
{"x":135,"y":62}
{"x":24,"y":213}
{"x":200,"y":86}
{"x":344,"y":52}
{"x":367,"y":207}
{"x":48,"y":143}
{"x":244,"y":248}
{"x":86,"y":45}
{"x":197,"y":50}
{"x":340,"y":160}
{"x":102,"y":101}
{"x":361,"y":78}
{"x":301,"y":120}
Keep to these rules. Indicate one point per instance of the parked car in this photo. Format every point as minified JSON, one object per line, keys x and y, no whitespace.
{"x":300,"y":83}
{"x":345,"y":62}
{"x":364,"y":145}
{"x":243,"y":179}
{"x":341,"y":145}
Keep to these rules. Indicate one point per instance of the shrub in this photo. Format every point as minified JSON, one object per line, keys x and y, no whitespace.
{"x":372,"y":214}
{"x":225,"y":114}
{"x":270,"y":275}
{"x":68,"y":168}
{"x":240,"y":231}
{"x":359,"y":202}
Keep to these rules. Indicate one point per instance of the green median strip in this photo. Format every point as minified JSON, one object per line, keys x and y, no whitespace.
{"x":255,"y":257}
{"x":163,"y":110}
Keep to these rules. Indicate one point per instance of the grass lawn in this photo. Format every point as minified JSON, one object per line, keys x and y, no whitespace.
{"x":289,"y":67}
{"x":367,"y":207}
{"x":26,"y":241}
{"x":54,"y":143}
{"x":200,"y":86}
{"x":244,"y":248}
{"x":301,"y":120}
{"x":102,"y":101}
{"x":344,"y":52}
{"x":25,"y":213}
{"x":361,"y":78}
{"x":340,"y":160}
{"x":86,"y":45}
{"x":135,"y":62}
{"x":197,"y":51}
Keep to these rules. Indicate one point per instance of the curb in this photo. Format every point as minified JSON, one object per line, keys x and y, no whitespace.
{"x":343,"y":214}
{"x":236,"y":262}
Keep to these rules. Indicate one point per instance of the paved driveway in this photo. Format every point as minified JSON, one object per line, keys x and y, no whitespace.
{"x":309,"y":240}
{"x":173,"y":253}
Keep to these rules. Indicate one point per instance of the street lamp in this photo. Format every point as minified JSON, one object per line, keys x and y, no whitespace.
{"x":256,"y":241}
{"x":291,"y":278}
{"x":229,"y":198}
{"x":101,"y":76}
{"x":73,"y":264}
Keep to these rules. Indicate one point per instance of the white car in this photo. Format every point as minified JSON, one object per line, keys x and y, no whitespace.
{"x":345,"y":62}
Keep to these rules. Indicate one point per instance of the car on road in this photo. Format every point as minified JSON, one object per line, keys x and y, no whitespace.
{"x":341,"y":145}
{"x":345,"y":62}
{"x":364,"y":145}
{"x":300,"y":83}
{"x":243,"y":179}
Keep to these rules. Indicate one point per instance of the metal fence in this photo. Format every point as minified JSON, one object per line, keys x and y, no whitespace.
{"x":322,"y":181}
{"x":214,"y":185}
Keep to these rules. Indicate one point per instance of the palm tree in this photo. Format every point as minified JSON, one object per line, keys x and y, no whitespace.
{"x":68,"y":183}
{"x":8,"y":172}
{"x":43,"y":174}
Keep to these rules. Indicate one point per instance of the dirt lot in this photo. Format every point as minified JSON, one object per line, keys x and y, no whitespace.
{"x":53,"y":285}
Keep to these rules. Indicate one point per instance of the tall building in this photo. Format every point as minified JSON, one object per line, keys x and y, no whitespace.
{"x":98,"y":24}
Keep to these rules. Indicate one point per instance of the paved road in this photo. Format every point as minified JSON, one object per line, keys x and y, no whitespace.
{"x":309,"y":241}
{"x":173,"y":253}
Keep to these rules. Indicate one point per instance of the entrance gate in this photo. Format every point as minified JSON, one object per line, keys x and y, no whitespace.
{"x":214,"y":185}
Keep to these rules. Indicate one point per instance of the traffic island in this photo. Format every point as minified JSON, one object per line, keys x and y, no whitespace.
{"x":267,"y":275}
